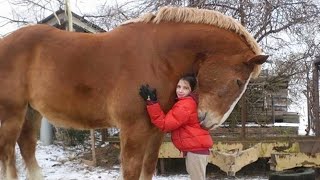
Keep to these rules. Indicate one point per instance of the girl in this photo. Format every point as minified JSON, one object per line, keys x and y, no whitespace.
{"x":183,"y":123}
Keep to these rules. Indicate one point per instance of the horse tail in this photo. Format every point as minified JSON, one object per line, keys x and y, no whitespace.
{"x":32,"y":114}
{"x":29,"y":133}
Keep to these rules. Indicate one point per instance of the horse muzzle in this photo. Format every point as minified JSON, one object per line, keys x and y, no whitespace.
{"x":208,"y":120}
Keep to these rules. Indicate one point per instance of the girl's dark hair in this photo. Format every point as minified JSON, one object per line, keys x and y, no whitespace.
{"x":191,"y":78}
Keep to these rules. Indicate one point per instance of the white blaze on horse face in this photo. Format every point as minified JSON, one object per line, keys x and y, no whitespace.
{"x":212,"y":120}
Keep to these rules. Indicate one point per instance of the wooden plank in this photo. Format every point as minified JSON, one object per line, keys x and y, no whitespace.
{"x":233,"y":162}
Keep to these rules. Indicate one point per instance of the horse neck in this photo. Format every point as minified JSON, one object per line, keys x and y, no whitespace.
{"x":188,"y":43}
{"x":177,"y":48}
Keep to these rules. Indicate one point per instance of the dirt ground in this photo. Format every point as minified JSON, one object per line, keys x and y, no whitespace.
{"x":107,"y":156}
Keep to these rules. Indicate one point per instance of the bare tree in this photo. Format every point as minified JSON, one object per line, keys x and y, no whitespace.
{"x":29,"y":11}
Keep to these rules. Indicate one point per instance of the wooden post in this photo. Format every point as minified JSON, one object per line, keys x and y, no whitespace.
{"x":93,"y":150}
{"x":104,"y":135}
{"x":272,"y":110}
{"x":93,"y":147}
{"x":69,"y":15}
{"x":162,"y":166}
{"x":244,"y":115}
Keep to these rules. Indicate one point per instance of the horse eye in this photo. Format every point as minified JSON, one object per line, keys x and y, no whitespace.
{"x":240,"y":83}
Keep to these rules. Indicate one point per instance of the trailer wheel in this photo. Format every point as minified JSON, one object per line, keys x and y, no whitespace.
{"x":294,"y":174}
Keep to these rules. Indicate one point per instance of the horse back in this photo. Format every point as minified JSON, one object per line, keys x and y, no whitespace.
{"x":76,"y":79}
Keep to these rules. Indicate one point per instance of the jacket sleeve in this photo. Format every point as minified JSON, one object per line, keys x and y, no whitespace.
{"x":176,"y":117}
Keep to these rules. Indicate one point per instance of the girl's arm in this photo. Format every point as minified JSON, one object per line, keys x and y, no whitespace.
{"x":176,"y":117}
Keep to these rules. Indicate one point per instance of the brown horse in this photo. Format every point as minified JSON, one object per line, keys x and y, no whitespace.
{"x":88,"y":81}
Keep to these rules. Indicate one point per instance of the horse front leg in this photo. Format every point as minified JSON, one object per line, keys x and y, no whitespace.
{"x":133,"y":145}
{"x":151,"y":154}
{"x":27,"y":143}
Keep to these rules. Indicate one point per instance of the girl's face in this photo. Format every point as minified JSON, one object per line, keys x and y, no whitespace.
{"x":183,"y":88}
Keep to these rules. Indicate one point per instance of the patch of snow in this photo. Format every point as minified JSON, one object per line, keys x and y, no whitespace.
{"x":286,"y":124}
{"x":58,"y":163}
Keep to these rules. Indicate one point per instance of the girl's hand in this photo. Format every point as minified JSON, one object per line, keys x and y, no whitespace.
{"x":148,"y":93}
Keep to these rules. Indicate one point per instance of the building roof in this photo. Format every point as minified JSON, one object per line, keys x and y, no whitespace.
{"x":79,"y":23}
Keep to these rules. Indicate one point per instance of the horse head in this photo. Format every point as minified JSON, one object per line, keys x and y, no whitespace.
{"x":221,"y":83}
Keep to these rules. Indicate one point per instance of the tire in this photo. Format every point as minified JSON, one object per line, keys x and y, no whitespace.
{"x":294,"y":174}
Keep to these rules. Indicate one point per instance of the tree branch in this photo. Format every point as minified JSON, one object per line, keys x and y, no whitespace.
{"x":15,"y":21}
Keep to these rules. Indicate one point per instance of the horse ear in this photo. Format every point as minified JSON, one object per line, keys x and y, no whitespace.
{"x":259,"y":59}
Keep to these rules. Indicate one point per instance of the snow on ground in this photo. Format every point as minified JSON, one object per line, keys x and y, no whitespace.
{"x":58,"y":163}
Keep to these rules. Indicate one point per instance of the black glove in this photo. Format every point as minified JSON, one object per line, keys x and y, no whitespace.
{"x":148,"y":93}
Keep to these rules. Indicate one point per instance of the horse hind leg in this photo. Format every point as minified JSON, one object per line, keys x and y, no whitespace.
{"x":28,"y":141}
{"x":12,"y":118}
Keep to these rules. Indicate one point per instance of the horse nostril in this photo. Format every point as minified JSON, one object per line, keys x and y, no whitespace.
{"x":240,"y":83}
{"x":202,"y":116}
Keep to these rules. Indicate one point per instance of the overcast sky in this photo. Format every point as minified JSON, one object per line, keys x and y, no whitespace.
{"x":78,"y":6}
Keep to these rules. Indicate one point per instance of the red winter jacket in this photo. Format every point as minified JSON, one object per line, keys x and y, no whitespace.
{"x":183,"y":123}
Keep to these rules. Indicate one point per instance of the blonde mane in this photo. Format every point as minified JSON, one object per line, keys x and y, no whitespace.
{"x":203,"y":16}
